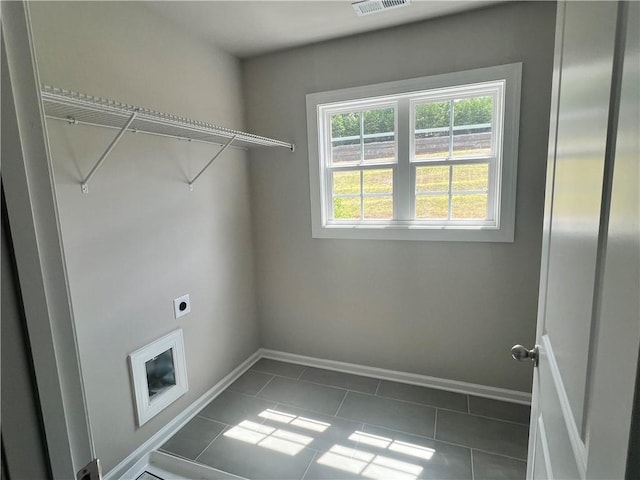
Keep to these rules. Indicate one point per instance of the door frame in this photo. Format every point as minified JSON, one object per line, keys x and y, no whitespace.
{"x":35,"y":228}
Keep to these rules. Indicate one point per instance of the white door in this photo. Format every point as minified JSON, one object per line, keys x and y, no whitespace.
{"x":585,"y":182}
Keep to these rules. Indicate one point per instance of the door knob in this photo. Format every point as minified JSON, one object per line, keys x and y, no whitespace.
{"x":520,"y":353}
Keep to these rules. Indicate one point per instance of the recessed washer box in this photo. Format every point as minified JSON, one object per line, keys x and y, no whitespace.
{"x":159,"y":374}
{"x":182,"y":306}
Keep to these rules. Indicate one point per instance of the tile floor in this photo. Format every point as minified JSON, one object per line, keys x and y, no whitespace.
{"x":286,"y":421}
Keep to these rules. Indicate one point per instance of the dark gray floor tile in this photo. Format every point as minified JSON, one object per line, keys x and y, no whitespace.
{"x":193,"y":438}
{"x":251,"y":382}
{"x":438,"y":460}
{"x":385,"y":454}
{"x":487,"y":407}
{"x":318,"y":398}
{"x":232,"y":408}
{"x":494,"y":467}
{"x":423,"y":395}
{"x":388,"y":413}
{"x":486,"y":434}
{"x":276,"y":367}
{"x":256,"y":457}
{"x":326,"y":430}
{"x":347,"y":381}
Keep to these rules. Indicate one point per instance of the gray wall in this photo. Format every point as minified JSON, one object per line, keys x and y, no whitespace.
{"x":140,"y":238}
{"x":449,"y":310}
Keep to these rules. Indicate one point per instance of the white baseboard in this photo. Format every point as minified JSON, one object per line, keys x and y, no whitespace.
{"x":134,"y":464}
{"x":402,"y":377}
{"x":128,"y":467}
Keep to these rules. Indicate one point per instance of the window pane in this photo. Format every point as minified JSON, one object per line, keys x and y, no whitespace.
{"x":432,"y":206}
{"x":472,"y":122}
{"x":432,"y":179}
{"x":346,"y":208}
{"x":379,"y":135}
{"x":469,"y":207}
{"x":378,"y":207}
{"x":346,"y":183}
{"x":378,"y":181}
{"x":345,"y":137}
{"x":470,"y":177}
{"x":432,"y":133}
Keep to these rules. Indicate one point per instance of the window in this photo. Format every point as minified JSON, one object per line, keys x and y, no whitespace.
{"x":432,"y":158}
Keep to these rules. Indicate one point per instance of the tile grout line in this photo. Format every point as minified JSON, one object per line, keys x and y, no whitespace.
{"x":435,"y":425}
{"x":173,"y":454}
{"x":523,"y":460}
{"x":413,"y":403}
{"x":473,"y":473}
{"x":422,"y":404}
{"x":299,"y":378}
{"x":468,"y":405}
{"x":315,"y":454}
{"x":378,"y":387}
{"x":325,"y":385}
{"x":275,"y":374}
{"x":336,"y":387}
{"x":307,"y":409}
{"x":510,"y":422}
{"x":214,"y":439}
{"x":264,"y":386}
{"x":395,"y":430}
{"x":341,"y":403}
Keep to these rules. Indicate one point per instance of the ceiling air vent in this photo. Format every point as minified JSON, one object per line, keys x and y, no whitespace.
{"x":367,"y":7}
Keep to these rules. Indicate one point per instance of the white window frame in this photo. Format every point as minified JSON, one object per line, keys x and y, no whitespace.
{"x":405,"y":94}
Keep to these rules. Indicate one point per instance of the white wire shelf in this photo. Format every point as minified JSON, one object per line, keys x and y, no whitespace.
{"x":78,"y":108}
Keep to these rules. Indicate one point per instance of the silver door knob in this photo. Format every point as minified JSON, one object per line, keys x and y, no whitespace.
{"x":520,"y":353}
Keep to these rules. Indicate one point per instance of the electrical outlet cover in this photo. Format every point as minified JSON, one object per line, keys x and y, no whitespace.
{"x":182,"y":306}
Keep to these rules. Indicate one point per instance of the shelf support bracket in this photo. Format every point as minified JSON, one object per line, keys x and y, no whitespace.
{"x":218,"y":153}
{"x":84,"y":186}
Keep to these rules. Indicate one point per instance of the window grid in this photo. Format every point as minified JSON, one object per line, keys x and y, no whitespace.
{"x":362,"y":164}
{"x":362,"y":195}
{"x":360,"y":109}
{"x":451,"y":159}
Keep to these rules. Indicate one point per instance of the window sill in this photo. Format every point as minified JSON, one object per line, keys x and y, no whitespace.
{"x":415,"y":232}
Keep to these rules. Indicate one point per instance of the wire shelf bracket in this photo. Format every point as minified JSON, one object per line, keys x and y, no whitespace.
{"x":220,"y":152}
{"x":84,"y":185}
{"x":77,"y":108}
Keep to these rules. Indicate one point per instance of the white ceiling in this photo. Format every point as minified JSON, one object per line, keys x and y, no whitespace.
{"x":249,"y":28}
